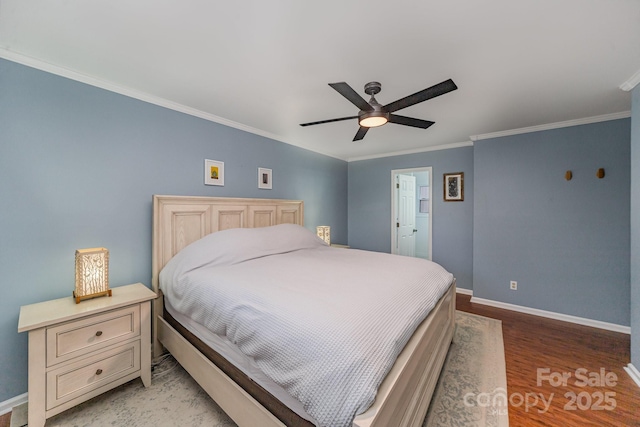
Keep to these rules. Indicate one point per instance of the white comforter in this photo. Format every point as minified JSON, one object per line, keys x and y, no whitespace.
{"x":326,"y":324}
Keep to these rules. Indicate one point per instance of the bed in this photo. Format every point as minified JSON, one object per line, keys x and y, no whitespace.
{"x":404,"y":393}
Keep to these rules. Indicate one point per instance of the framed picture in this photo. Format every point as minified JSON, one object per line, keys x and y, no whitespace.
{"x":213,"y":172}
{"x":453,"y":187}
{"x":264,"y":178}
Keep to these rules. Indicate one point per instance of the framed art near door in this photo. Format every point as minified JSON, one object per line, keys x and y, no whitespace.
{"x":453,"y":184}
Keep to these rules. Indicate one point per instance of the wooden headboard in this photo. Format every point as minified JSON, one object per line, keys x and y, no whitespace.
{"x":181,"y":220}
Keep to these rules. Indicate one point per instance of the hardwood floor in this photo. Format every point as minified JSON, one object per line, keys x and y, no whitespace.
{"x":586,"y":397}
{"x":5,"y":420}
{"x":533,"y":343}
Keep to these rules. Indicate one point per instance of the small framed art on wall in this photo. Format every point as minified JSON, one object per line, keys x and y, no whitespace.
{"x":213,"y":172}
{"x":453,"y":184}
{"x":264,"y":179}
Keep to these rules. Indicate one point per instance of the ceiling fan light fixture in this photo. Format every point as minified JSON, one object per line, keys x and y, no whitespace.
{"x":372,"y":119}
{"x":372,"y":114}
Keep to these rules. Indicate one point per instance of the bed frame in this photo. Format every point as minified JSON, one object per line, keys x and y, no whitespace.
{"x":403,"y":397}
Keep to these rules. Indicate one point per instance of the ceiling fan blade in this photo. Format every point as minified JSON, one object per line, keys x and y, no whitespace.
{"x":409,"y":121}
{"x":360,"y":134}
{"x":436,"y":90}
{"x":328,"y":121}
{"x":347,"y":91}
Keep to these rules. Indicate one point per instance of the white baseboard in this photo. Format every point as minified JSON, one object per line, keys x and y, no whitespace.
{"x":552,"y":315}
{"x":7,"y":405}
{"x":464,"y":291}
{"x":633,"y":373}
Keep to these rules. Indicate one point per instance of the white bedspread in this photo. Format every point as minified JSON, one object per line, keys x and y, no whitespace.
{"x":324,"y":323}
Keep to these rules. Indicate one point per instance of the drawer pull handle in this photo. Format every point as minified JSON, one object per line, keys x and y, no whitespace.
{"x":98,"y":333}
{"x":99,"y":371}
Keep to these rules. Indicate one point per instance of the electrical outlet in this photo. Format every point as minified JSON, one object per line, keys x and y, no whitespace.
{"x":513,"y":285}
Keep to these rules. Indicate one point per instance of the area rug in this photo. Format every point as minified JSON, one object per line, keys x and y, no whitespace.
{"x":472,"y":388}
{"x":473,"y":375}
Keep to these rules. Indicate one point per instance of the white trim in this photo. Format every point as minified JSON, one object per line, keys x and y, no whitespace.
{"x":126,"y":91}
{"x":553,"y":315}
{"x":8,"y":405}
{"x":394,"y":205}
{"x":631,"y":83}
{"x":142,"y":96}
{"x":633,"y":373}
{"x":464,"y":291}
{"x":135,"y":94}
{"x":414,"y":151}
{"x":151,"y":99}
{"x":558,"y":125}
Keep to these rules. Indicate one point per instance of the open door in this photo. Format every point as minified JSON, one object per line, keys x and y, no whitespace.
{"x":411,"y":212}
{"x":406,"y":221}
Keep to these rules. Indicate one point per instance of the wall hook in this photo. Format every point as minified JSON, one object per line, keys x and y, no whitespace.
{"x":568,"y":175}
{"x":600,"y":173}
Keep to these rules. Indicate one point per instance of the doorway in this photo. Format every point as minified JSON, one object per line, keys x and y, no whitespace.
{"x":411,"y":214}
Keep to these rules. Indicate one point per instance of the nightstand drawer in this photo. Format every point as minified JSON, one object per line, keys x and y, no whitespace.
{"x":79,"y":351}
{"x":79,"y":337}
{"x":80,"y":378}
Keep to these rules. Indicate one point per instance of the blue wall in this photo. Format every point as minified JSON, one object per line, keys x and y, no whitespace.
{"x":370,"y":207}
{"x":78,"y":168}
{"x":565,"y":242}
{"x":635,"y":227}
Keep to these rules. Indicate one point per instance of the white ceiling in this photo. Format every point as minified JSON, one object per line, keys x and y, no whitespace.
{"x":264,"y":66}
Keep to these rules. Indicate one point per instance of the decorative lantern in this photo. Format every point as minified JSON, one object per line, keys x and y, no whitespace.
{"x":324,"y":232}
{"x":92,"y":273}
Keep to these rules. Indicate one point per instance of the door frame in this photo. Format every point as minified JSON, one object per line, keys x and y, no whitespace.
{"x":394,"y":205}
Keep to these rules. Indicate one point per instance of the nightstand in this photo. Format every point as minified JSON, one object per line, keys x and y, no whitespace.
{"x":78,"y":351}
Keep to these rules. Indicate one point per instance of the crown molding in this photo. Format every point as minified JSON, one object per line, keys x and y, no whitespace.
{"x":126,"y":91}
{"x":161,"y":102}
{"x":631,"y":83}
{"x":417,"y":150}
{"x":129,"y":92}
{"x":558,"y":125}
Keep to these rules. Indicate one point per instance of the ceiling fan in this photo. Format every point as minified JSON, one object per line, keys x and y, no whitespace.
{"x":372,"y":114}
